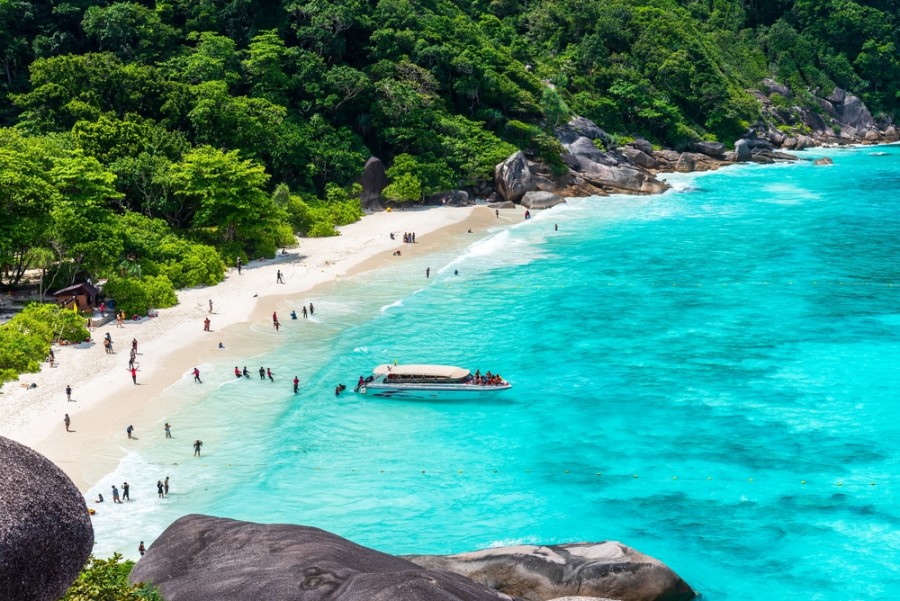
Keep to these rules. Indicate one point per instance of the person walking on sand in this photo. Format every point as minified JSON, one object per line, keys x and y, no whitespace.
{"x":197,"y":444}
{"x":125,"y":488}
{"x":269,"y":373}
{"x":159,"y":488}
{"x":277,"y":326}
{"x":238,"y":262}
{"x":129,"y":430}
{"x":69,"y":392}
{"x":197,"y":376}
{"x":115,"y":492}
{"x":68,"y":422}
{"x":278,"y":278}
{"x":134,"y":345}
{"x":133,"y":371}
{"x":168,"y":429}
{"x":142,"y":549}
{"x":296,"y":384}
{"x":206,"y":325}
{"x":166,"y":486}
{"x":497,"y":213}
{"x":274,"y":316}
{"x":210,"y":305}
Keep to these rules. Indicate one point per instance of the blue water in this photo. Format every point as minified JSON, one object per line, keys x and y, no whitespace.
{"x":708,"y":375}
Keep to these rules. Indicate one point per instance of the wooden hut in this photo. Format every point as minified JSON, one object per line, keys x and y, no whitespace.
{"x":84,"y":295}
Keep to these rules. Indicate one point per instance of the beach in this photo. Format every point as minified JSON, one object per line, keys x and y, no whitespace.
{"x":105,"y":401}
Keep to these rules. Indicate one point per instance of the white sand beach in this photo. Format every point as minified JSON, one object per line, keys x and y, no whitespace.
{"x":104,"y":399}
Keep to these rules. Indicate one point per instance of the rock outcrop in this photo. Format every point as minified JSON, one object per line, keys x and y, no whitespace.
{"x":512,"y":178}
{"x":373,"y":180}
{"x":201,"y":558}
{"x":541,"y":200}
{"x":534,"y":573}
{"x":45,"y":530}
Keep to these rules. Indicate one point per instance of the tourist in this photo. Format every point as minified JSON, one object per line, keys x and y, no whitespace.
{"x":277,"y":325}
{"x":133,"y":371}
{"x":262,"y":373}
{"x":246,"y":372}
{"x":197,"y":445}
{"x":305,"y":314}
{"x":311,"y":309}
{"x":238,"y":262}
{"x":274,"y":316}
{"x":51,"y":358}
{"x":293,"y":315}
{"x":168,"y":429}
{"x":68,"y":422}
{"x":159,"y":488}
{"x":141,"y":549}
{"x":166,"y":486}
{"x":555,"y":227}
{"x":115,"y":493}
{"x":296,"y":384}
{"x":99,"y":498}
{"x":206,"y":325}
{"x":197,"y":376}
{"x":269,"y":373}
{"x":237,"y":372}
{"x":427,"y":272}
{"x":210,"y":305}
{"x":134,"y":345}
{"x":69,"y":392}
{"x":278,"y":278}
{"x":125,"y":488}
{"x":497,"y":213}
{"x":129,"y":430}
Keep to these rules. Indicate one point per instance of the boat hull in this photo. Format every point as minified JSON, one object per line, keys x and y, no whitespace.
{"x":433,"y":392}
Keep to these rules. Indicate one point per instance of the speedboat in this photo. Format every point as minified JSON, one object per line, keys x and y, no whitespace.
{"x":430,"y":383}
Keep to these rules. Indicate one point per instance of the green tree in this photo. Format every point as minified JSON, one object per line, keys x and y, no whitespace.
{"x":107,"y":580}
{"x":129,"y":30}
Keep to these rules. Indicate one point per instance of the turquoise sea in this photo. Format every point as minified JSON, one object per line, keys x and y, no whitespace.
{"x":709,"y":375}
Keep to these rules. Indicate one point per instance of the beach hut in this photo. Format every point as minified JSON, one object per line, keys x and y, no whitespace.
{"x":83,"y":295}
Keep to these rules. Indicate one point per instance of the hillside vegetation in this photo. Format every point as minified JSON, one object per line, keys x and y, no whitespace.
{"x":163,"y":139}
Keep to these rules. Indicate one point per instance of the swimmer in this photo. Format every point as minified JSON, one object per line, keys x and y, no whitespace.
{"x":293,"y":315}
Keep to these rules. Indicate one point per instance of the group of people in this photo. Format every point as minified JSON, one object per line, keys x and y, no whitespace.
{"x":264,"y":372}
{"x":409,"y":238}
{"x":488,"y":379}
{"x":303,"y":310}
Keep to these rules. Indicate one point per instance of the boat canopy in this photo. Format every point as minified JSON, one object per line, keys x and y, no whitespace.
{"x":427,"y":371}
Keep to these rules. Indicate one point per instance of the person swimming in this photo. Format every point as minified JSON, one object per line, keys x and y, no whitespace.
{"x":293,"y":315}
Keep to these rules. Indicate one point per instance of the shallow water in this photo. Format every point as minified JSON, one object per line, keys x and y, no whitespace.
{"x":709,"y":376}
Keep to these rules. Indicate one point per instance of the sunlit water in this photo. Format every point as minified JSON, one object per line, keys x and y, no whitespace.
{"x":709,"y":376}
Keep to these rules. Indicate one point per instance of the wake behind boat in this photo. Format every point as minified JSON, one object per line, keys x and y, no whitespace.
{"x":430,"y":383}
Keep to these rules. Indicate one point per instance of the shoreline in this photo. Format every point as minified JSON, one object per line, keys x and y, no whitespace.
{"x":105,"y":401}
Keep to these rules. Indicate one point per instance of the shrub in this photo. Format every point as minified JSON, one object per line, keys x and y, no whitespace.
{"x":136,"y":295}
{"x":107,"y":580}
{"x":25,"y":340}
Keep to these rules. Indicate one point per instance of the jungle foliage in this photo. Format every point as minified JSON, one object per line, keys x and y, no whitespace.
{"x":151,"y":138}
{"x":107,"y":580}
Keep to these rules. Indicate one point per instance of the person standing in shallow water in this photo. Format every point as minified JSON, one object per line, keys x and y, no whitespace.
{"x":197,"y":445}
{"x":296,"y":384}
{"x":159,"y":488}
{"x":262,"y":373}
{"x":168,"y":428}
{"x":427,"y":272}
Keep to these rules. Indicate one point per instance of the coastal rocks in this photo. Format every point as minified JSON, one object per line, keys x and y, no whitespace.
{"x":45,"y":531}
{"x":713,"y":149}
{"x":537,"y":573}
{"x":685,"y":163}
{"x":823,"y":161}
{"x":201,"y":558}
{"x":451,"y":198}
{"x":742,"y":151}
{"x":640,"y":158}
{"x":373,"y":180}
{"x":512,"y":178}
{"x":541,"y":200}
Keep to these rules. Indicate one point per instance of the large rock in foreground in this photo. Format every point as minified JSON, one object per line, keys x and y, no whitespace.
{"x":607,"y":569}
{"x":201,"y":558}
{"x":45,"y":531}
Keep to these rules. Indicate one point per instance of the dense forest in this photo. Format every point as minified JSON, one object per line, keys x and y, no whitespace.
{"x":152,"y":142}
